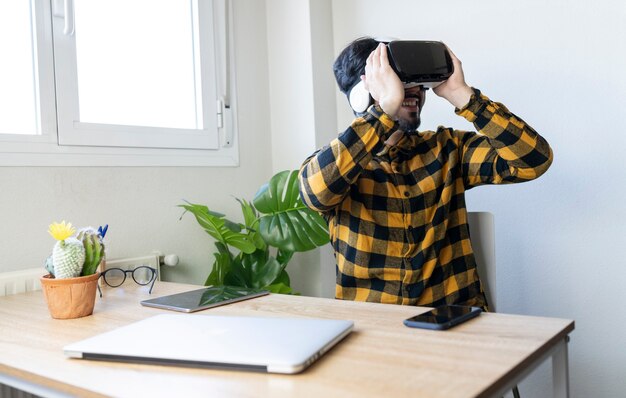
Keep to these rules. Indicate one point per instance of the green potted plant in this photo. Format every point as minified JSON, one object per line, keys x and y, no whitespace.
{"x":276,"y":225}
{"x":70,"y":285}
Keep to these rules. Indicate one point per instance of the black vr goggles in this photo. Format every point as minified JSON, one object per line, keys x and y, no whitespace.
{"x":415,"y":62}
{"x":420,"y":61}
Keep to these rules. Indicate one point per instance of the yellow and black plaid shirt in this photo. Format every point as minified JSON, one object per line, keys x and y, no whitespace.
{"x":398,"y":222}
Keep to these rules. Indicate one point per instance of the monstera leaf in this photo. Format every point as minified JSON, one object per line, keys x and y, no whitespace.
{"x":254,"y":270}
{"x":286,"y":223}
{"x":258,"y":271}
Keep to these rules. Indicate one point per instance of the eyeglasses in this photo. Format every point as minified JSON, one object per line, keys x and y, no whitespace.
{"x":143,"y":276}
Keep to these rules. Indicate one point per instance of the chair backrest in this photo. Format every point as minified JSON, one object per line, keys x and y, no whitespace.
{"x":483,"y":237}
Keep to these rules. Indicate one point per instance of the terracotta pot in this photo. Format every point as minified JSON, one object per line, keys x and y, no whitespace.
{"x":70,"y":297}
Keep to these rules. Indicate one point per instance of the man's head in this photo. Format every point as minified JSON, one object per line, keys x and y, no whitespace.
{"x":350,"y":66}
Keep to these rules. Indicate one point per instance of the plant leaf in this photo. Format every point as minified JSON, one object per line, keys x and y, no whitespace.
{"x":265,"y":273}
{"x":283,"y":257}
{"x":251,"y":220}
{"x":283,"y":278}
{"x":286,"y":223}
{"x":221,"y":266}
{"x":238,"y":275}
{"x":279,"y":288}
{"x":213,"y":278}
{"x":249,"y":212}
{"x":254,"y":270}
{"x":216,"y":227}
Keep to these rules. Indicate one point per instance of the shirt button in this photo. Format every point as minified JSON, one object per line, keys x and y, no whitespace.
{"x":406,"y":193}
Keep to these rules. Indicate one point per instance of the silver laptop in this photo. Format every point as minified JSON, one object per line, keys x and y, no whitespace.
{"x":276,"y":345}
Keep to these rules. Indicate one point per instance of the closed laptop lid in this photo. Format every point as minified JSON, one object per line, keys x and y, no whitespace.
{"x":279,"y":345}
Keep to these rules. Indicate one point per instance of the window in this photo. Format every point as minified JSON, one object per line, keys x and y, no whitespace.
{"x":113,"y":79}
{"x":18,"y":96}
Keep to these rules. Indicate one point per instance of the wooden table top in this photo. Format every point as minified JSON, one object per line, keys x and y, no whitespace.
{"x":381,"y":357}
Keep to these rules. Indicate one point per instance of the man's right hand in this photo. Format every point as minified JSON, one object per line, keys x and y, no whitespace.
{"x":382,"y":82}
{"x":455,"y":90}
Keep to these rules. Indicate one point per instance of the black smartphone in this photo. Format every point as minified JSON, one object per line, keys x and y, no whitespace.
{"x":443,"y":317}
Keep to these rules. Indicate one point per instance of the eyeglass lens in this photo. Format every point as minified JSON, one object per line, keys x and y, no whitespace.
{"x":142,"y":275}
{"x":114,"y":277}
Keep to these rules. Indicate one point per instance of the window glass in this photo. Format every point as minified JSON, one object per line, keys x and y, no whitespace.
{"x":18,"y":97}
{"x":137,"y":74}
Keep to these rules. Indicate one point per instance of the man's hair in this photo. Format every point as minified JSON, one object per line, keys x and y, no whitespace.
{"x":350,"y":64}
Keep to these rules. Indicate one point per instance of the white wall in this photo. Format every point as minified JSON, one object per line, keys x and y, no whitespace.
{"x":292,"y":104}
{"x":139,"y":204}
{"x":290,"y":82}
{"x":559,"y":240}
{"x":300,"y":52}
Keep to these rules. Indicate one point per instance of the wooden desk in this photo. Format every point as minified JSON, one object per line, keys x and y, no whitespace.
{"x":483,"y":357}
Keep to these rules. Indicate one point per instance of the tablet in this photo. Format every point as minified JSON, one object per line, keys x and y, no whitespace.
{"x":201,"y":299}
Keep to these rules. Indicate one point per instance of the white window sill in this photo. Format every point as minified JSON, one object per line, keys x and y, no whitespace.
{"x":51,"y":154}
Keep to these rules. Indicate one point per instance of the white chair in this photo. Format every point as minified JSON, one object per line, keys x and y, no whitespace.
{"x":483,"y":236}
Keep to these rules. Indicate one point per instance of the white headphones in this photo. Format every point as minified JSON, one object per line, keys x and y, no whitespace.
{"x":359,"y":98}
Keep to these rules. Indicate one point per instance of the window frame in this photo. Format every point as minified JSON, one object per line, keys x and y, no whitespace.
{"x":49,"y":148}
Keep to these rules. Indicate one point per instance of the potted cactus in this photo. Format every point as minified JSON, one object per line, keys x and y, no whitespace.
{"x":70,"y":286}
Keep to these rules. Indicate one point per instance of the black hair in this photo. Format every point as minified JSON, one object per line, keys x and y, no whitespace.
{"x":350,"y":64}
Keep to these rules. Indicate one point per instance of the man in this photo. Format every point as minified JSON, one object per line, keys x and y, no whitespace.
{"x":394,"y":197}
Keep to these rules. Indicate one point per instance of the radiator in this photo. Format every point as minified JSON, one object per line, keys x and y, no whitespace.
{"x":10,"y":392}
{"x":7,"y":391}
{"x":21,"y":281}
{"x":27,"y":280}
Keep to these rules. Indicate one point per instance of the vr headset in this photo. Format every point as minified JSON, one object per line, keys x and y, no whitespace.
{"x":415,"y":62}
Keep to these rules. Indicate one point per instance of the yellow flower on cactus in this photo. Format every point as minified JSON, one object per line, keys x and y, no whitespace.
{"x":61,"y":231}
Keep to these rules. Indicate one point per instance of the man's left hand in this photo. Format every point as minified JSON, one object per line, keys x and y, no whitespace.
{"x":455,"y":90}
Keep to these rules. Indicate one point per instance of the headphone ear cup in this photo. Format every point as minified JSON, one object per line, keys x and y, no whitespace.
{"x":359,"y":98}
